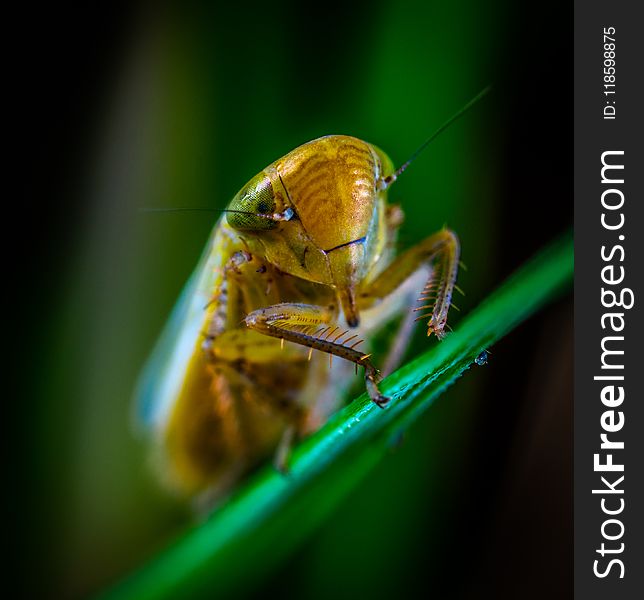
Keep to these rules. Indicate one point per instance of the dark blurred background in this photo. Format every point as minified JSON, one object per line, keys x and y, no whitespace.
{"x":140,"y":104}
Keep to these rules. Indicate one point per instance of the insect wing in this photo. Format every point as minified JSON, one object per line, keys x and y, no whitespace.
{"x":165,"y":372}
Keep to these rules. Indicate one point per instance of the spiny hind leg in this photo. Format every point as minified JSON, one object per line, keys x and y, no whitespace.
{"x":441,"y":253}
{"x":311,"y":326}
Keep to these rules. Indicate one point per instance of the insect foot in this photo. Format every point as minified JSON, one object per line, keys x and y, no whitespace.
{"x":371,"y":380}
{"x":251,"y":319}
{"x":437,"y":325}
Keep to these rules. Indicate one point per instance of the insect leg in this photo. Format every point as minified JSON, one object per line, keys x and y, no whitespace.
{"x":253,"y":348}
{"x":283,"y":452}
{"x":309,"y":325}
{"x":400,"y":342}
{"x":441,"y":252}
{"x":246,"y":283}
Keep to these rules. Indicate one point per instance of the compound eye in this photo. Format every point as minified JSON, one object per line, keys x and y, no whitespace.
{"x":255,"y":198}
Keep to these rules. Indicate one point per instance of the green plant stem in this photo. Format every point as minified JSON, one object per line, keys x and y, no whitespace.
{"x":262,"y":522}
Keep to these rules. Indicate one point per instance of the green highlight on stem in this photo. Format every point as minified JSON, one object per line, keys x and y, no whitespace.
{"x":267,"y":517}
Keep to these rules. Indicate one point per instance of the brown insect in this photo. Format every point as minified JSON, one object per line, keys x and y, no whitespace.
{"x":301,"y":268}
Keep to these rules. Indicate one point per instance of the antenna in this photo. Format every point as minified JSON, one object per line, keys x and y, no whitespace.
{"x":391,"y":178}
{"x":154,"y":209}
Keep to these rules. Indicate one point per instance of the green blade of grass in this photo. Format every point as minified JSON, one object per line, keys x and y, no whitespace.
{"x":265,"y":519}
